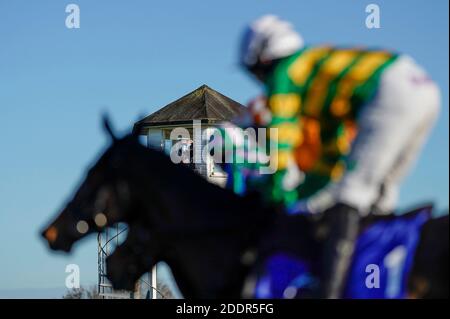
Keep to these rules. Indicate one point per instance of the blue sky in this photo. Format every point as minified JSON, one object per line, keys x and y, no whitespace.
{"x":132,"y":57}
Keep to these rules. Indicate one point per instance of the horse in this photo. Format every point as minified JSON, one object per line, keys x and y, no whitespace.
{"x":217,"y":244}
{"x":173,"y":215}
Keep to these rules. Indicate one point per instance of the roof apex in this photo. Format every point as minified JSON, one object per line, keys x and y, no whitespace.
{"x":203,"y":103}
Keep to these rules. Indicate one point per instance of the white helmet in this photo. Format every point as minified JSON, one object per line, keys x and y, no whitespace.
{"x":268,"y":38}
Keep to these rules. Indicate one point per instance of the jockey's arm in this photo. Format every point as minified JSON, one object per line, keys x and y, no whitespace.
{"x":284,"y":105}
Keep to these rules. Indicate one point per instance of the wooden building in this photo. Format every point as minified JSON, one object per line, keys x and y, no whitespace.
{"x":198,"y":112}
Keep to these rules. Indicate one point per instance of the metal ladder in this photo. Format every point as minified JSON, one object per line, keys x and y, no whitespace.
{"x":105,"y":289}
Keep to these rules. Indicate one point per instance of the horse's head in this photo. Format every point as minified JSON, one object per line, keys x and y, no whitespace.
{"x":104,"y":197}
{"x":203,"y":241}
{"x":134,"y":257}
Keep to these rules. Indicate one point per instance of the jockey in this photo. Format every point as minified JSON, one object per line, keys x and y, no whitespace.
{"x":350,"y":122}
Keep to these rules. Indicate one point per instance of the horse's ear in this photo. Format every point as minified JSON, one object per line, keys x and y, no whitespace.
{"x":137,"y":129}
{"x":108,"y":127}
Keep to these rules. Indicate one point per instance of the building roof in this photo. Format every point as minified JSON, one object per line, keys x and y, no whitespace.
{"x":203,"y":104}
